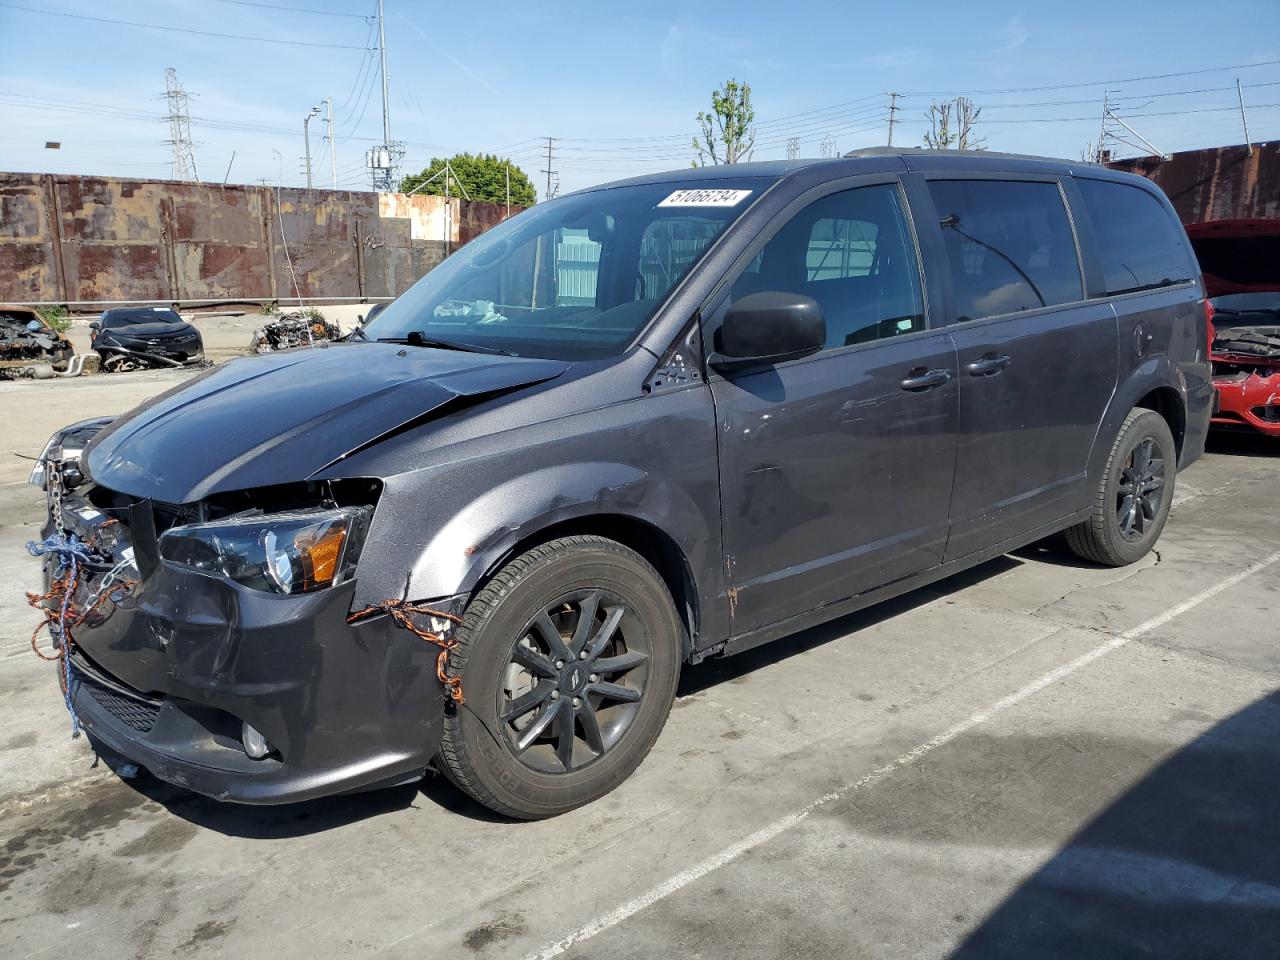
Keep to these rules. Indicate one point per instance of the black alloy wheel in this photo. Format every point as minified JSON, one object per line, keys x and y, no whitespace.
{"x":1132,"y":495}
{"x":569,"y":658}
{"x":573,"y":681}
{"x":1140,"y":490}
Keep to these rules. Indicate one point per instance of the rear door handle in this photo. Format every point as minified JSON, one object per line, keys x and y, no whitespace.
{"x":987,"y":366}
{"x":920,"y":379}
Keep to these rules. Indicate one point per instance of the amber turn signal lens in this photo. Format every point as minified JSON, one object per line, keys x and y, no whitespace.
{"x":320,"y":555}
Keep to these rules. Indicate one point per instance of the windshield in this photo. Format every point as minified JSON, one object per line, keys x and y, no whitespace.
{"x":129,"y":316}
{"x":1237,"y":309}
{"x":573,"y":279}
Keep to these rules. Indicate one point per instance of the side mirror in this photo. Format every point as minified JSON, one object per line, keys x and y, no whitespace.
{"x":95,"y":326}
{"x":766,"y":328}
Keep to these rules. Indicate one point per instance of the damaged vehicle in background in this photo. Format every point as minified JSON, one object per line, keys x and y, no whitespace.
{"x":288,"y":330}
{"x":135,"y":338}
{"x":1240,"y":260}
{"x":28,"y":344}
{"x":623,"y":431}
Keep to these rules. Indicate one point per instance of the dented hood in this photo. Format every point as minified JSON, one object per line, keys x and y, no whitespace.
{"x":282,"y":417}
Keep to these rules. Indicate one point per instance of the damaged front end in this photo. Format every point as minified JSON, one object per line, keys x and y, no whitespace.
{"x":28,"y":347}
{"x":214,"y":643}
{"x":1246,"y":376}
{"x":293,"y":330}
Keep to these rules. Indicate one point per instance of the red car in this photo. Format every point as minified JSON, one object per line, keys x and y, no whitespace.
{"x":1241,"y":264}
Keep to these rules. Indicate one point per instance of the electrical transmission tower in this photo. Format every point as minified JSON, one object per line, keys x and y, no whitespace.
{"x":793,"y":148}
{"x":828,"y":146}
{"x":553,"y":176}
{"x":184,"y":152}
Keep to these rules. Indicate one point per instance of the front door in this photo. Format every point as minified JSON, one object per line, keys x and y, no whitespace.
{"x":836,"y":469}
{"x":1037,"y":364}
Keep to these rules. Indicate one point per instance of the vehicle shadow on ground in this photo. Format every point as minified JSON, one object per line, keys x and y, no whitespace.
{"x":713,"y":672}
{"x":1185,"y":864}
{"x":1233,"y":443}
{"x":273,"y":822}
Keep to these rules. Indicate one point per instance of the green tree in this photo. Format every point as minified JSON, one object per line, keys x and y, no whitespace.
{"x":483,"y":175}
{"x":727,"y":135}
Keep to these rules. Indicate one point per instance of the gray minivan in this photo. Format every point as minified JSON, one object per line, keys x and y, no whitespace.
{"x":628,"y":429}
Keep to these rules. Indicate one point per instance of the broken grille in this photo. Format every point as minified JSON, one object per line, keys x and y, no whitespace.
{"x":138,"y":714}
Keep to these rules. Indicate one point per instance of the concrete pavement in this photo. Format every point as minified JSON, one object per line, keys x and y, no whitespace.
{"x":1037,"y":758}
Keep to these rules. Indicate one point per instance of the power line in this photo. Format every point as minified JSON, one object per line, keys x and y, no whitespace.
{"x":198,"y":33}
{"x":1093,"y":83}
{"x":276,"y":6}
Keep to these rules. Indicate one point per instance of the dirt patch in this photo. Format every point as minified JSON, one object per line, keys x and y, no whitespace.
{"x":503,"y":927}
{"x":206,"y":933}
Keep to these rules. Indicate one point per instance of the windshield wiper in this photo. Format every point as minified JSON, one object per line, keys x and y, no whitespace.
{"x":357,"y":332}
{"x":416,"y":338}
{"x":1233,"y":312}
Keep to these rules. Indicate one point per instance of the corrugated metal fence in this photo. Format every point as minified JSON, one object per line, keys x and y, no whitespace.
{"x":68,"y":239}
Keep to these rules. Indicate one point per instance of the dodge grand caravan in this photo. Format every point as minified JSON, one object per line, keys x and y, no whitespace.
{"x":626,"y":430}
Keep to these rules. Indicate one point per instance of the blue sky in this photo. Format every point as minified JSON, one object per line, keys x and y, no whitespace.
{"x":618,"y":84}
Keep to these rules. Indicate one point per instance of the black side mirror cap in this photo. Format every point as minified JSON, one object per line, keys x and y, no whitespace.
{"x":766,"y":328}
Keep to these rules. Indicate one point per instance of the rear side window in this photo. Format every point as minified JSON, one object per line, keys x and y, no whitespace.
{"x":1139,"y":244}
{"x":1010,"y":246}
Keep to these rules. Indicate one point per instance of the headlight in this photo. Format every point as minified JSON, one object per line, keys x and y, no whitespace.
{"x":66,"y":446}
{"x":294,"y":552}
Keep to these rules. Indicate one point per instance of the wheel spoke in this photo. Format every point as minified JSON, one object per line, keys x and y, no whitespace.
{"x":606,"y":632}
{"x":1128,"y":511}
{"x":550,"y":633}
{"x":586,"y":620}
{"x":591,"y":727}
{"x":523,"y":704}
{"x":565,"y":735}
{"x":534,"y":730}
{"x":533,"y":660}
{"x":613,"y":691}
{"x":620,"y":663}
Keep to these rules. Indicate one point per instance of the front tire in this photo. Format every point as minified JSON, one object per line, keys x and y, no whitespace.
{"x":569,"y":659}
{"x":1133,"y":494}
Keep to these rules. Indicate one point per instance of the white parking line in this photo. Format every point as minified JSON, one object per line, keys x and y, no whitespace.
{"x":732,"y":852}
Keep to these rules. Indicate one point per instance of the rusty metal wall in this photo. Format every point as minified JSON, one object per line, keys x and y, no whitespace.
{"x":65,"y":239}
{"x":1222,"y":183}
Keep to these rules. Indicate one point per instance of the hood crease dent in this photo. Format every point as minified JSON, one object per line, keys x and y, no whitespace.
{"x":284,"y":417}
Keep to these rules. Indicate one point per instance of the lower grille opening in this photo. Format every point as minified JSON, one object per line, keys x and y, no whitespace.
{"x":132,"y":711}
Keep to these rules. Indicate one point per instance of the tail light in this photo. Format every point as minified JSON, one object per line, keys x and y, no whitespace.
{"x":1210,"y":332}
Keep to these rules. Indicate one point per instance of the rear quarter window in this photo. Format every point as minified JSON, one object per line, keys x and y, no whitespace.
{"x":1140,"y":245}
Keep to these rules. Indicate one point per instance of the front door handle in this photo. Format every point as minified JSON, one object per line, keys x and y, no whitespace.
{"x":987,"y":366}
{"x":921,"y":379}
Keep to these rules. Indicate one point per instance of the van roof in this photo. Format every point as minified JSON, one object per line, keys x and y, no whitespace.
{"x":910,"y":158}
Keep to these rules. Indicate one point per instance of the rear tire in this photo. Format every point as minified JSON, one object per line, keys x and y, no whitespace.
{"x":1133,"y":495}
{"x":577,"y":635}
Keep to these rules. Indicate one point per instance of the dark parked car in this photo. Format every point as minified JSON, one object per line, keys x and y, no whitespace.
{"x":625,"y":430}
{"x":129,"y":338}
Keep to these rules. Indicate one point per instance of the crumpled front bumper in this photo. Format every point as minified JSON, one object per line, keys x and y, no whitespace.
{"x":167,"y":676}
{"x":1248,"y":401}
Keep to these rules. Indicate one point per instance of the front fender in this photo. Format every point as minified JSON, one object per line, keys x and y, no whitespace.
{"x":474,"y":539}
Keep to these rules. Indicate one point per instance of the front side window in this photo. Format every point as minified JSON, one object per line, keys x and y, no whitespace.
{"x":1140,"y":245}
{"x":573,"y":279}
{"x":1010,"y":246}
{"x":853,"y":253}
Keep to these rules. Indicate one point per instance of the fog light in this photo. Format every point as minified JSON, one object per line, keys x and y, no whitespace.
{"x":255,"y":744}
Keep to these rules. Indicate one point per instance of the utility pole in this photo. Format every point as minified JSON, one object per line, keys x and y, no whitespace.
{"x":184,"y":154}
{"x":508,"y":188}
{"x":1101,"y":152}
{"x":333,"y":157}
{"x":383,"y":159}
{"x":306,"y":140}
{"x":548,"y":171}
{"x":1243,"y":119}
{"x":893,"y":111}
